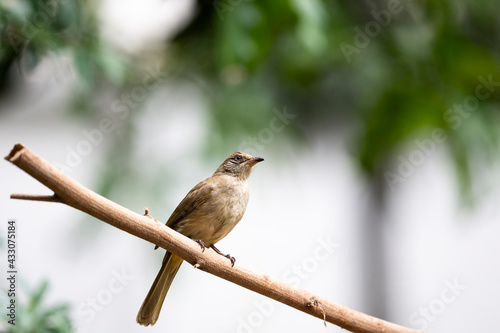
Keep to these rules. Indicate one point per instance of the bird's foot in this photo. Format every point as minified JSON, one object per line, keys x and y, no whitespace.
{"x":231,"y":258}
{"x":202,"y":245}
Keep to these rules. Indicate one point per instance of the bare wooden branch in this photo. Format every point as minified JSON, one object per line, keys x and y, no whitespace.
{"x":35,"y":197}
{"x":71,"y":193}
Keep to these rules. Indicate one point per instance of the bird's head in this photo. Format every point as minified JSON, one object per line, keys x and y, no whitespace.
{"x":238,"y":164}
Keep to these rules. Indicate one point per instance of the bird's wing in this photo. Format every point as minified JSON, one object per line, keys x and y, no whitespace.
{"x":195,"y":198}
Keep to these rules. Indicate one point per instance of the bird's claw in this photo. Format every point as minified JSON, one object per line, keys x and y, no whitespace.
{"x":202,"y":245}
{"x":231,"y":258}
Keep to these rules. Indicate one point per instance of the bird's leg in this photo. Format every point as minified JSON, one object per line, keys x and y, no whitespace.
{"x":231,"y":258}
{"x":202,"y":245}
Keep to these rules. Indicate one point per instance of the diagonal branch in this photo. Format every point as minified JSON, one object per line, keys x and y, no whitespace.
{"x":35,"y":197}
{"x":71,"y":193}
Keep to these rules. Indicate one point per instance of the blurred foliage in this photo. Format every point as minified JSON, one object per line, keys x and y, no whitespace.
{"x":385,"y":73}
{"x":31,"y":30}
{"x":391,"y":71}
{"x":35,"y":316}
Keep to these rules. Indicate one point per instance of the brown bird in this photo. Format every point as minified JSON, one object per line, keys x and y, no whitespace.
{"x":207,"y":214}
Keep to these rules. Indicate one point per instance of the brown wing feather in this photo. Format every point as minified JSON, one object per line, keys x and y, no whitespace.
{"x":195,"y":198}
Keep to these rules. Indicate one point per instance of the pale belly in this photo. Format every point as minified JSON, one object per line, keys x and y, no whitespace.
{"x":213,"y":220}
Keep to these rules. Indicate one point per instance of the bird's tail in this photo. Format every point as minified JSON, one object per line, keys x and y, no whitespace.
{"x":150,"y":309}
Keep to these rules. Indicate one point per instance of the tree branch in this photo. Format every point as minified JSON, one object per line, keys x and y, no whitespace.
{"x":71,"y":193}
{"x":35,"y":197}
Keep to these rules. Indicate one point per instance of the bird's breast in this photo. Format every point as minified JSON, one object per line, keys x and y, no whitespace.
{"x":231,"y":206}
{"x":216,"y":217}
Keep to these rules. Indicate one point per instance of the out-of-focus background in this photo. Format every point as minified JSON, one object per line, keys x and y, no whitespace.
{"x":378,"y":122}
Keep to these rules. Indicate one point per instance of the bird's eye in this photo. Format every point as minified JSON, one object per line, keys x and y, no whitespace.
{"x":237,"y":158}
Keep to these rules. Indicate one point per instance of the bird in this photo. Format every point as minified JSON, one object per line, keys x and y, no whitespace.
{"x":207,"y":214}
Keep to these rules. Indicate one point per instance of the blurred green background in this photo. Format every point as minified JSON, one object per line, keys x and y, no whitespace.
{"x":394,"y":79}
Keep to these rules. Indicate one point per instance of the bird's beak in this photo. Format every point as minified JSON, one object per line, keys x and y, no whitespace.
{"x":255,"y":160}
